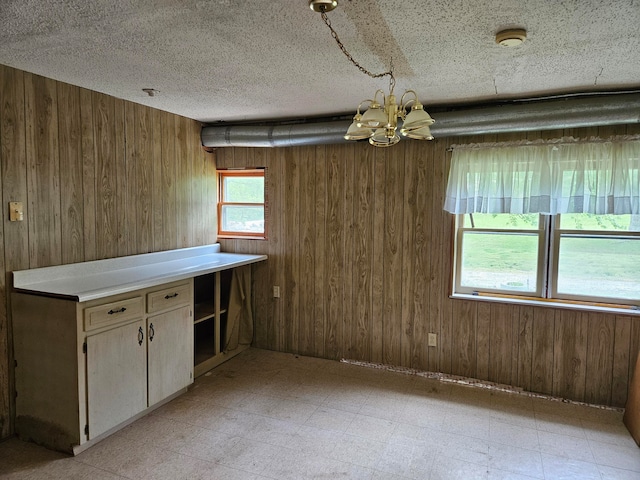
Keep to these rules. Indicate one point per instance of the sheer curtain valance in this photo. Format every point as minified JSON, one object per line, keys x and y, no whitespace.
{"x":589,"y":177}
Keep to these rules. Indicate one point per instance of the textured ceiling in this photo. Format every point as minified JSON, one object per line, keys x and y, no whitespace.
{"x":229,"y":60}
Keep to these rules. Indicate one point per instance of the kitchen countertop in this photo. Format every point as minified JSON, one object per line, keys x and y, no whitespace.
{"x":102,"y":278}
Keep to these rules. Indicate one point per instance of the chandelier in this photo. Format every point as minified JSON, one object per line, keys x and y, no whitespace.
{"x":379,"y":123}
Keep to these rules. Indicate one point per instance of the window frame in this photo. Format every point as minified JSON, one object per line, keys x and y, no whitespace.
{"x":557,"y":233}
{"x":244,"y":172}
{"x":547,"y":268}
{"x":542,"y":251}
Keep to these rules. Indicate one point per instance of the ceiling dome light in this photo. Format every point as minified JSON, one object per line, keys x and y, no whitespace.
{"x":357,"y":133}
{"x":512,"y":37}
{"x":416,"y":119}
{"x":373,"y":118}
{"x":423,"y":133}
{"x":384,"y":137}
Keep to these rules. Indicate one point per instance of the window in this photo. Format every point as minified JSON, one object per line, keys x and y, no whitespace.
{"x":578,"y":257}
{"x":557,"y":220}
{"x":241,"y":204}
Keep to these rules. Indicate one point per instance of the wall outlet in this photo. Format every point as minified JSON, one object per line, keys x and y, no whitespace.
{"x":433,"y":340}
{"x":276,"y":291}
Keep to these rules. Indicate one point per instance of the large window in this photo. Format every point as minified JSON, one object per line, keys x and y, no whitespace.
{"x":554,"y":220}
{"x":584,"y":257}
{"x":241,"y":204}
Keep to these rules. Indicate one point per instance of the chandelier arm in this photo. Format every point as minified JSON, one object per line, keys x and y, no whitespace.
{"x":384,"y":98}
{"x":415,"y":99}
{"x":334,"y":34}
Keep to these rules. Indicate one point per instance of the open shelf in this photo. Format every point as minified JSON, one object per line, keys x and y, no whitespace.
{"x":203,"y":311}
{"x":211,"y":301}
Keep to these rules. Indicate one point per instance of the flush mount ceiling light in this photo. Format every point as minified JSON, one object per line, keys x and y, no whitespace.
{"x":512,"y":37}
{"x":380,"y":122}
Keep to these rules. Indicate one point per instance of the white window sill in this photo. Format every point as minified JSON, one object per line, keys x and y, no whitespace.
{"x":485,"y":297}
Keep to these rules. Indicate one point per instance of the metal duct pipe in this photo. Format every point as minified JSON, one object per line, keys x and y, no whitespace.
{"x":562,"y":112}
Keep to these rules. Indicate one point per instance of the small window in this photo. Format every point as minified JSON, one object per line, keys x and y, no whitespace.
{"x":241,"y":204}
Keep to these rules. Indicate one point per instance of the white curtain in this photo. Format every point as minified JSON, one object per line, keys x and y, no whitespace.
{"x":589,"y":177}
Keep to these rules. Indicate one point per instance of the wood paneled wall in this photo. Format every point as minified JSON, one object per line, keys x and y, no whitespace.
{"x":362,"y":249}
{"x":99,"y":177}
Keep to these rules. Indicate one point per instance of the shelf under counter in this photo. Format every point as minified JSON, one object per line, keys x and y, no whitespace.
{"x":200,"y":317}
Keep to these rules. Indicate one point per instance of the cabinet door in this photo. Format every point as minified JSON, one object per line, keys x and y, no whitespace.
{"x":116,"y":376}
{"x":170,"y":353}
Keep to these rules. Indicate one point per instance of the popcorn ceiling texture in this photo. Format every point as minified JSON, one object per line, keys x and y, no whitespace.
{"x":239,"y":60}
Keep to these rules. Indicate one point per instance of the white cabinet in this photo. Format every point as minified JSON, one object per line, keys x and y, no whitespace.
{"x":169,"y":341}
{"x":116,"y":376}
{"x":85,"y":369}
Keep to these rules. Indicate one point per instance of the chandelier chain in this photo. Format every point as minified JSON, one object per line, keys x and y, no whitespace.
{"x":334,"y":34}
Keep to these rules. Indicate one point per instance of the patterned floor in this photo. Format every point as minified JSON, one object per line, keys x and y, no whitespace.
{"x":268,"y":415}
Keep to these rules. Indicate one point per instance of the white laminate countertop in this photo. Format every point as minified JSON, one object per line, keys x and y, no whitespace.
{"x":102,"y":278}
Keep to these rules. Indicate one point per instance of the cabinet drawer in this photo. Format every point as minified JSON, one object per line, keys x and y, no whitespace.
{"x":113,"y":313}
{"x":168,"y":298}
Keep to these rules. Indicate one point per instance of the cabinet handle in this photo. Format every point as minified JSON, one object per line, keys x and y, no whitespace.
{"x":174,"y":295}
{"x":152,"y":332}
{"x":120,"y":310}
{"x":140,"y":336}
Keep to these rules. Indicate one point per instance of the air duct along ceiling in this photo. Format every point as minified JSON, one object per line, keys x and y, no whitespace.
{"x":521,"y":116}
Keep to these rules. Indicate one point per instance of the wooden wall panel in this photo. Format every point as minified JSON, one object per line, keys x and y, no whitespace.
{"x":464,"y":327}
{"x":599,"y":361}
{"x":97,"y":177}
{"x":364,"y":262}
{"x":483,"y":339}
{"x":307,"y":250}
{"x":421,"y":262}
{"x":542,"y":350}
{"x":525,"y":347}
{"x":14,"y":249}
{"x":89,"y":179}
{"x":362,"y":324}
{"x":105,"y":120}
{"x":392,"y":331}
{"x":501,"y":343}
{"x":143,"y":162}
{"x":379,"y":186}
{"x":43,"y":171}
{"x":407,"y":236}
{"x":290,"y":289}
{"x":347,"y":201}
{"x":168,"y":183}
{"x":318,"y":322}
{"x":570,"y":354}
{"x":621,"y":360}
{"x":127,"y":184}
{"x":71,"y":200}
{"x":334,"y":251}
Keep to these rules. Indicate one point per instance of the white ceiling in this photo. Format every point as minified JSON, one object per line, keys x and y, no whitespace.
{"x":235,"y":60}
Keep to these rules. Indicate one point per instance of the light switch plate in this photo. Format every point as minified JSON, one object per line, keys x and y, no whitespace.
{"x":15,"y":212}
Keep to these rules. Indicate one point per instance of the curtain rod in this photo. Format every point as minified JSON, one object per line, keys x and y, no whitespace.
{"x":542,"y":141}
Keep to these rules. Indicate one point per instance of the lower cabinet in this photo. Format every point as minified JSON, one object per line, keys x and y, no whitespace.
{"x":170,"y":353}
{"x":83,"y":370}
{"x":116,"y":376}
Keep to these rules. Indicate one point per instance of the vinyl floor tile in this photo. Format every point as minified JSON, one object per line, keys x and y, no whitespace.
{"x":272,"y":416}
